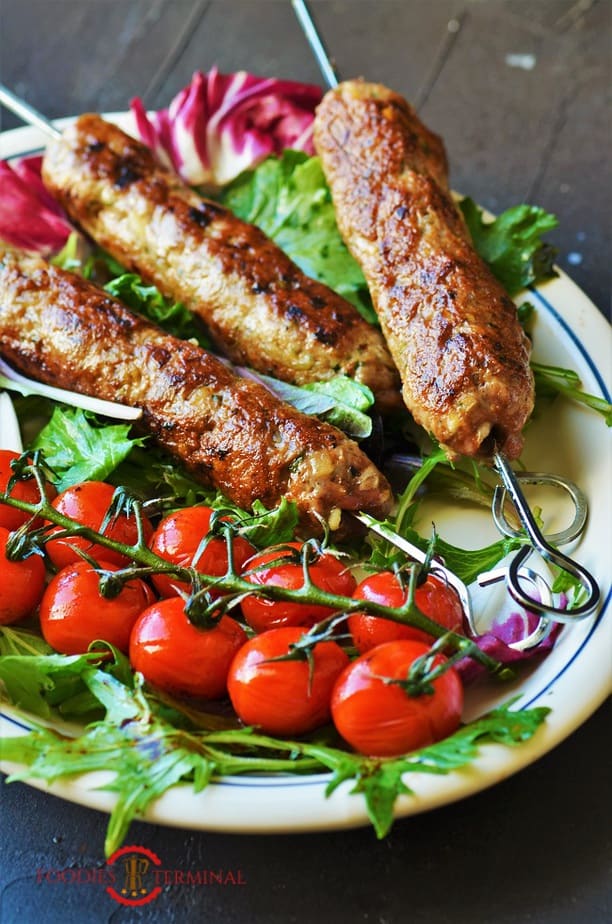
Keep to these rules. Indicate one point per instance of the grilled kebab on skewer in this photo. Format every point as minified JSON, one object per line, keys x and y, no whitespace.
{"x":451,"y":328}
{"x":261,"y":310}
{"x":227,"y":431}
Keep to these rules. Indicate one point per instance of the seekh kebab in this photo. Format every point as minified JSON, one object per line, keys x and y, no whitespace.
{"x":227,"y":431}
{"x":261,"y":310}
{"x":451,"y":329}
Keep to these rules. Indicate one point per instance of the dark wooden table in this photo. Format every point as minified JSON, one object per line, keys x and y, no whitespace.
{"x":518,"y":90}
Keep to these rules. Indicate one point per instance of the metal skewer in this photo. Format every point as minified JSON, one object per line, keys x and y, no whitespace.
{"x":511,"y":487}
{"x":27,"y":113}
{"x":316,"y":42}
{"x":539,"y":543}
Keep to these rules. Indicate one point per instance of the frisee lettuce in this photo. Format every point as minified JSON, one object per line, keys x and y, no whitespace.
{"x":147,"y":755}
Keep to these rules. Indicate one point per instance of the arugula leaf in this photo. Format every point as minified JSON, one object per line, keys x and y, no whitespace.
{"x":467,"y":564}
{"x":512,"y":243}
{"x":551,"y":381}
{"x":288,"y":198}
{"x":148,"y":755}
{"x":405,"y":500}
{"x":52,"y":685}
{"x":15,"y":641}
{"x":77,"y":448}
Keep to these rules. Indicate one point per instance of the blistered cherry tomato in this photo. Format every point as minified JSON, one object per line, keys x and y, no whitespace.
{"x":180,"y":658}
{"x":10,"y":517}
{"x":87,"y":503}
{"x":433,"y":597}
{"x":178,"y":538}
{"x":327,"y":572}
{"x":282,"y":697}
{"x":73,"y":613}
{"x":381,"y":719}
{"x":21,"y":584}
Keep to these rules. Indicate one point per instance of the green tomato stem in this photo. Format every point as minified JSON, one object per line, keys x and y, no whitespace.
{"x":232,"y":583}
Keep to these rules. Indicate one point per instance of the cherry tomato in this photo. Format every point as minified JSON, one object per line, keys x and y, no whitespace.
{"x":21,"y":584}
{"x":281,"y":697}
{"x":10,"y":517}
{"x":178,"y":538}
{"x":380,"y":719}
{"x":87,"y":503}
{"x":327,"y":572}
{"x":73,"y":613}
{"x":433,"y":597}
{"x":176,"y":656}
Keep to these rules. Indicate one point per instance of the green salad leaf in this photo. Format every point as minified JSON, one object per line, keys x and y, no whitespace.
{"x":94,"y":263}
{"x":288,"y":198}
{"x":174,"y":317}
{"x":340,"y":401}
{"x":512,"y":243}
{"x":265,"y":527}
{"x":467,"y":564}
{"x":78,"y":448}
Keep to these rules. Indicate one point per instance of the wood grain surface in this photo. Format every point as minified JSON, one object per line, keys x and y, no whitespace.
{"x":519,"y":91}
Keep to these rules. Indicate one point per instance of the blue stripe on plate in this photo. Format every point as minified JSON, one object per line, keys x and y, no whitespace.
{"x":572,"y":336}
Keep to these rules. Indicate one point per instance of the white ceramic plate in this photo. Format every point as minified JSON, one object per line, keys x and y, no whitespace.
{"x":573,"y":681}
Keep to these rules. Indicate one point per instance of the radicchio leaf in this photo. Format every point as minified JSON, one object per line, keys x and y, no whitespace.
{"x":29,"y":217}
{"x":222,"y":124}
